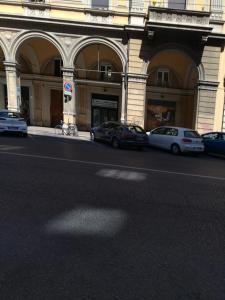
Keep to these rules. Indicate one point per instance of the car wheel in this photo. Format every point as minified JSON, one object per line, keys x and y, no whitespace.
{"x":115,"y":143}
{"x":175,"y":149}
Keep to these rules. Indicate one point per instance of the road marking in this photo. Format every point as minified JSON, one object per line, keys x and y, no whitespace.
{"x":121,"y":174}
{"x":8,"y":147}
{"x":76,"y":161}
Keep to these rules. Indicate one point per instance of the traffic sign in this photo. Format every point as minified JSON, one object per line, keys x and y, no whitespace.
{"x":68,"y":86}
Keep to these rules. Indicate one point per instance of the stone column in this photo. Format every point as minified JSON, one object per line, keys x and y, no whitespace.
{"x":123,"y":118}
{"x":69,"y":107}
{"x":136,"y":99}
{"x":13,"y":86}
{"x":205,"y":110}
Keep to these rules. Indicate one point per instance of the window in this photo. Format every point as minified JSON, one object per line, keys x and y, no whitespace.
{"x":159,"y":131}
{"x":177,"y":4}
{"x":106,"y":72}
{"x":171,"y":131}
{"x":191,"y":134}
{"x":104,"y":4}
{"x":163,"y":77}
{"x":210,"y":136}
{"x":57,"y":67}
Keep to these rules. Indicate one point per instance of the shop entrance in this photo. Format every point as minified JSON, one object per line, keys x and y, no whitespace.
{"x":104,"y":108}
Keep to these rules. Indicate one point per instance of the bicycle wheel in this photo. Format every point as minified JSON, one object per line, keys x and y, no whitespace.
{"x":58,"y":129}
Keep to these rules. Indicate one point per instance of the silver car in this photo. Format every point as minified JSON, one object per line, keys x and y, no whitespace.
{"x":176,"y":139}
{"x":12,"y":122}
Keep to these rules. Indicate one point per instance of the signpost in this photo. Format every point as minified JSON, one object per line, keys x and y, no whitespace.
{"x":67,"y":91}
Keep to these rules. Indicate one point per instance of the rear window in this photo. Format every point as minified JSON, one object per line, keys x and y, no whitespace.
{"x":191,"y":134}
{"x":135,"y":129}
{"x":10,"y":114}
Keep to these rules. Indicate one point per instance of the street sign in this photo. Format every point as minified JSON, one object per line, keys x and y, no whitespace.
{"x":68,"y":87}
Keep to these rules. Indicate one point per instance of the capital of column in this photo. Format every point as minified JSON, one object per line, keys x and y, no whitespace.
{"x":132,"y":77}
{"x":208,"y":85}
{"x":10,"y":66}
{"x":68,"y":71}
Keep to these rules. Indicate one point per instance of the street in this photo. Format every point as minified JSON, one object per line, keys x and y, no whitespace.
{"x":82,"y":221}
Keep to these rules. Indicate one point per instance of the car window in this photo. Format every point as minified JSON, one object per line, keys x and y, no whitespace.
{"x":9,"y":114}
{"x":191,"y":134}
{"x":135,"y":129}
{"x":211,"y":136}
{"x":171,"y":131}
{"x":223,"y":136}
{"x":159,"y":131}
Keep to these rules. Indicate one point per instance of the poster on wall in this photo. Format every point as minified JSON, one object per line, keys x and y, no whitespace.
{"x":160,"y":112}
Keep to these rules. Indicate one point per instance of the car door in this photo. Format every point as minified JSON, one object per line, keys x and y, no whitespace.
{"x":168,"y":137}
{"x":211,"y":142}
{"x":221,"y":144}
{"x":156,"y":136}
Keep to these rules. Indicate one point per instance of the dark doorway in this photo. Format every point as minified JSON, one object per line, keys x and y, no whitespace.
{"x":25,"y":103}
{"x":5,"y":96}
{"x":104,"y":108}
{"x":56,"y":107}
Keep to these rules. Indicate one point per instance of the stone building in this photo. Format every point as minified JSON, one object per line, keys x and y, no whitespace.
{"x":88,"y":61}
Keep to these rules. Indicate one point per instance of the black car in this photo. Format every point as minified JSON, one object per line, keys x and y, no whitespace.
{"x":119,"y":135}
{"x":214,"y":142}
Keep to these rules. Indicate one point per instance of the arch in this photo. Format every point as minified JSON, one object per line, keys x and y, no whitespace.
{"x":82,"y":43}
{"x":4,"y":49}
{"x":36,"y":34}
{"x":175,"y":48}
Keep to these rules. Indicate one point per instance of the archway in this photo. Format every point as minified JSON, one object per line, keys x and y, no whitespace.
{"x":171,"y":96}
{"x":98,"y":77}
{"x":39,"y":66}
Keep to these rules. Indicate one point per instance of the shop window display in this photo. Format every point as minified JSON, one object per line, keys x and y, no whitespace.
{"x":160,"y":113}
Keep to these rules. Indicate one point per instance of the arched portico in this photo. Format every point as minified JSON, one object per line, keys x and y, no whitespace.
{"x":172,"y":88}
{"x":99,"y":66}
{"x":37,"y":78}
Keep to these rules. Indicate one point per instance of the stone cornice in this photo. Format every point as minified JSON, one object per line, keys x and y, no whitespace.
{"x":208,"y":85}
{"x":57,"y":22}
{"x":134,"y":77}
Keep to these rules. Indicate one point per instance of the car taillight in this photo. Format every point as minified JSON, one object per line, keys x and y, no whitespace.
{"x":186,"y":140}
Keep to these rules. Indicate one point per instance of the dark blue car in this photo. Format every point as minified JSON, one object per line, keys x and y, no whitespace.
{"x":214,"y":142}
{"x":119,"y":135}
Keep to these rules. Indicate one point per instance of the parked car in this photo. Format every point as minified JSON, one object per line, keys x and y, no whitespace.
{"x":176,"y":139}
{"x":119,"y":135}
{"x":12,"y":122}
{"x":214,"y":142}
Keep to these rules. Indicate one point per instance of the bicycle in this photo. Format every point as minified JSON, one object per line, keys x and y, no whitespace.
{"x":68,"y":129}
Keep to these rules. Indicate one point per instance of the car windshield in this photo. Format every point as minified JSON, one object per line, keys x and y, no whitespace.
{"x":135,"y":129}
{"x":10,"y":114}
{"x":191,"y":134}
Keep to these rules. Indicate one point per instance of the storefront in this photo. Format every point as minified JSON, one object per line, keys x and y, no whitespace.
{"x":103,"y":108}
{"x":160,"y":113}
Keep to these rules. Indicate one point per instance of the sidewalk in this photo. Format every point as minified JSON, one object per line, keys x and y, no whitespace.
{"x":48,"y":131}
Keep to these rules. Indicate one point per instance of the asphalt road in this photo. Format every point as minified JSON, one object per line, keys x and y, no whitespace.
{"x":82,"y":221}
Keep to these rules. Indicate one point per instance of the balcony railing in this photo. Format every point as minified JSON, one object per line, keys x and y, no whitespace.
{"x":215,"y":7}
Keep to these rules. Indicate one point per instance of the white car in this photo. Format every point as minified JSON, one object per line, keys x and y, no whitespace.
{"x":176,"y":139}
{"x":12,"y":122}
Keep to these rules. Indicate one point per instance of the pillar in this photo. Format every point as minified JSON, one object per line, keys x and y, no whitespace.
{"x":205,"y":110}
{"x":123,"y":118}
{"x":136,"y":99}
{"x":13,"y":86}
{"x":69,"y":107}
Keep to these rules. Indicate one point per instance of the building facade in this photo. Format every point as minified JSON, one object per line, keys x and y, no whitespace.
{"x":89,"y":61}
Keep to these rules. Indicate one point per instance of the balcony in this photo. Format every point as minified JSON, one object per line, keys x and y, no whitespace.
{"x":170,"y":19}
